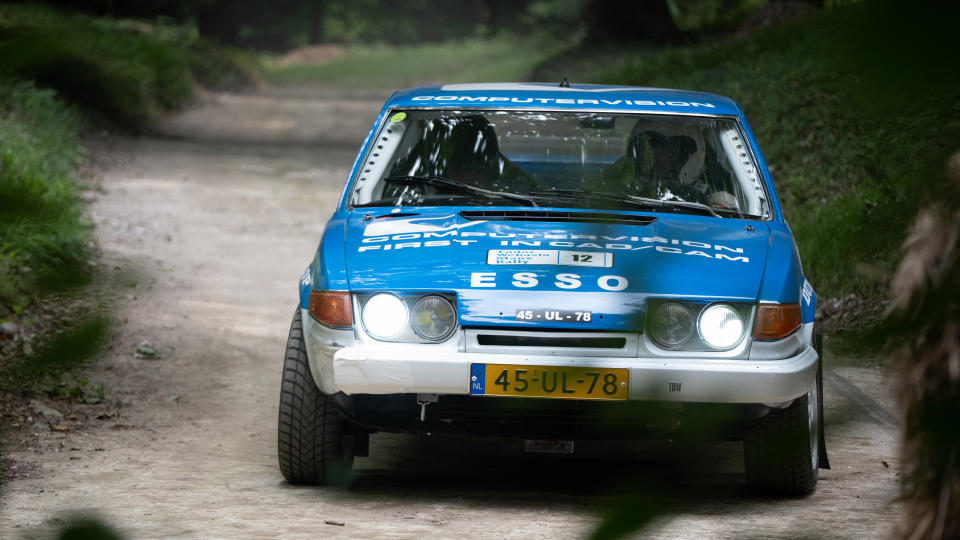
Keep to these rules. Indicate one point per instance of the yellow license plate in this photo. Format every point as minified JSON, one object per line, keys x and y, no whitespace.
{"x":549,"y":381}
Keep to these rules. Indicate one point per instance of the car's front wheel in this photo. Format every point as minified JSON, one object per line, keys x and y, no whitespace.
{"x":310,"y":442}
{"x":781,"y":454}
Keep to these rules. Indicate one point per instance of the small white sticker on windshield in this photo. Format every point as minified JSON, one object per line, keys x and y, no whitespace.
{"x":551,"y":257}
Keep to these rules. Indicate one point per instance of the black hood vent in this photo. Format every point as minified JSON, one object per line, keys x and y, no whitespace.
{"x":555,"y":216}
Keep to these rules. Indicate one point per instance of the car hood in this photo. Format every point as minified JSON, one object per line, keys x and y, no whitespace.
{"x":499,"y":261}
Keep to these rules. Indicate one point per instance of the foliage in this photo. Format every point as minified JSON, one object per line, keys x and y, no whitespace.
{"x":87,"y":528}
{"x":66,"y":351}
{"x":81,"y":58}
{"x":556,"y":17}
{"x":123,"y":71}
{"x":703,"y":14}
{"x":633,"y":511}
{"x":280,"y":25}
{"x":386,"y":66}
{"x":221,"y":68}
{"x":128,"y":72}
{"x":42,"y":234}
{"x":404,"y":21}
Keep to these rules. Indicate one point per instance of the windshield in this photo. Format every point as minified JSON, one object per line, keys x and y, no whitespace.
{"x":561,"y":159}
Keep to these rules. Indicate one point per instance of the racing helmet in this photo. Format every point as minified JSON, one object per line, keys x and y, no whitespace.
{"x":667,"y":150}
{"x":723,"y":200}
{"x":469,"y":152}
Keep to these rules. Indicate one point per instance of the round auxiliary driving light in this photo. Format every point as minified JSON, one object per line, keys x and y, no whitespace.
{"x":384,"y":315}
{"x":433,"y":318}
{"x":671,"y":325}
{"x":720,"y":326}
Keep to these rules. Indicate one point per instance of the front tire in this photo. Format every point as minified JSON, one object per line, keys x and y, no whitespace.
{"x":781,"y":454}
{"x":310,"y":442}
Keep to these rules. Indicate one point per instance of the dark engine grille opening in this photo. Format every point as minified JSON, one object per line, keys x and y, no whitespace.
{"x":551,"y":215}
{"x":551,"y":341}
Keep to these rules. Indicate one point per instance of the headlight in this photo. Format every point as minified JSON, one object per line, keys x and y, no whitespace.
{"x":720,"y":326}
{"x":384,"y":315}
{"x":671,"y":325}
{"x":433,"y":318}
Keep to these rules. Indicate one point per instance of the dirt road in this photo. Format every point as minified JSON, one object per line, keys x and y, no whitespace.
{"x":215,"y":217}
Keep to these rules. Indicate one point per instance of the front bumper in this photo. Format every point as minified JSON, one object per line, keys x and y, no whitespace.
{"x":343,"y":363}
{"x":535,"y":418}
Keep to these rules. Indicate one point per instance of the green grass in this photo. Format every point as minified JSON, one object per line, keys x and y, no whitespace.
{"x":852,"y":161}
{"x":128,"y":72}
{"x":43,"y":237}
{"x":58,"y":73}
{"x":386,"y":66}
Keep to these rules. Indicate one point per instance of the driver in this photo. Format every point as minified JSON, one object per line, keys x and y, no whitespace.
{"x":464,"y":148}
{"x":663,"y":160}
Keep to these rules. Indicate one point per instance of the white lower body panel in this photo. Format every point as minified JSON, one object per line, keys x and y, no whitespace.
{"x":342,"y":364}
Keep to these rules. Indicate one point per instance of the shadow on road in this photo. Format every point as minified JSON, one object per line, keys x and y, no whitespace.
{"x":496,"y":471}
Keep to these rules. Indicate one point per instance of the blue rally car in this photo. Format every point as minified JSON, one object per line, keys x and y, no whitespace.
{"x":556,"y":263}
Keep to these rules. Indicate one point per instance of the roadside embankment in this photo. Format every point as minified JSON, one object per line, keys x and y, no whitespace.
{"x":62,"y":77}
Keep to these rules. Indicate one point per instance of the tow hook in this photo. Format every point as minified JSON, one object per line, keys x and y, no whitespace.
{"x":423,"y":400}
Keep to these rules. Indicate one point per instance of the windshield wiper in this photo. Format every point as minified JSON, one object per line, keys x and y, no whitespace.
{"x":456,"y":184}
{"x":627,"y":199}
{"x":676,"y":204}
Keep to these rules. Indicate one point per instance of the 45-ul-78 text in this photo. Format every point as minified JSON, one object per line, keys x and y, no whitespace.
{"x":529,"y":315}
{"x":521,"y":384}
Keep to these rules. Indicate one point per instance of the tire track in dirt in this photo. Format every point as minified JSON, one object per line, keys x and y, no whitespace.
{"x":866,"y":406}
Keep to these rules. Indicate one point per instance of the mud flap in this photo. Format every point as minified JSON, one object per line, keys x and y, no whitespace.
{"x":822,"y":459}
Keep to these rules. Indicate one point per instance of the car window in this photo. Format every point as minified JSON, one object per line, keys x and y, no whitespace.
{"x":668,"y":158}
